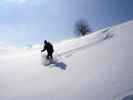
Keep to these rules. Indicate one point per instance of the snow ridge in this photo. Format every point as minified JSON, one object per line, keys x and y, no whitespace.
{"x":81,"y":43}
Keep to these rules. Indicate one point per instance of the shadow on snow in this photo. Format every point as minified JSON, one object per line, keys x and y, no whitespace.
{"x":55,"y":63}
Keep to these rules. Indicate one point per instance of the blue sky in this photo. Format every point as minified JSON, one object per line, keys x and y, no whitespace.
{"x":25,"y":22}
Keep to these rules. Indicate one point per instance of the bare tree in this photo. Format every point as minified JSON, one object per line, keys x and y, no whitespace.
{"x":82,"y":28}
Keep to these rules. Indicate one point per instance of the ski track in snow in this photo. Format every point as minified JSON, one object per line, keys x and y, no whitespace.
{"x":85,"y":42}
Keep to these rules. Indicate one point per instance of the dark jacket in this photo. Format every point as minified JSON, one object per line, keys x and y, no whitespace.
{"x":49,"y":47}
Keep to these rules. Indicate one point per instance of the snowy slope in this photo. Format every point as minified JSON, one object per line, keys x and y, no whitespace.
{"x":94,"y":67}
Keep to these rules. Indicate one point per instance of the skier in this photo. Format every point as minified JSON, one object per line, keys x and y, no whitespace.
{"x":49,"y":47}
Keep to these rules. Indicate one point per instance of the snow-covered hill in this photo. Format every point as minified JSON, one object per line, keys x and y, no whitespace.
{"x":98,"y":66}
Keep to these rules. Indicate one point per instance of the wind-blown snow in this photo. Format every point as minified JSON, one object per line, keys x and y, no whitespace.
{"x":95,"y":67}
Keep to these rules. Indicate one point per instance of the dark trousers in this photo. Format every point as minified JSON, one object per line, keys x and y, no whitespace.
{"x":50,"y":55}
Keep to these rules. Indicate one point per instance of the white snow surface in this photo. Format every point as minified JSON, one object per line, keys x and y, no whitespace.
{"x":98,"y":66}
